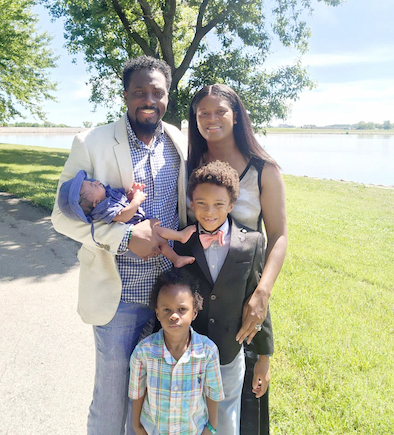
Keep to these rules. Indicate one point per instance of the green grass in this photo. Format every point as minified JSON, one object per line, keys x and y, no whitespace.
{"x":332,"y":305}
{"x":333,"y":312}
{"x":31,"y":172}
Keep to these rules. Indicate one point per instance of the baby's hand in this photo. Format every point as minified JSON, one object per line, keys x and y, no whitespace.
{"x":138,"y":186}
{"x":134,"y":188}
{"x":139,"y":197}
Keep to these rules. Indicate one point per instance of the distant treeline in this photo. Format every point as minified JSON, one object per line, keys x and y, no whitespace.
{"x":387,"y":125}
{"x":86,"y":124}
{"x":35,"y":124}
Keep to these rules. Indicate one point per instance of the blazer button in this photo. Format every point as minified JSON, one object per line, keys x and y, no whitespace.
{"x":211,"y":320}
{"x":213,"y":297}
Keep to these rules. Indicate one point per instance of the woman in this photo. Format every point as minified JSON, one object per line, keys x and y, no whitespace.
{"x":220,"y":129}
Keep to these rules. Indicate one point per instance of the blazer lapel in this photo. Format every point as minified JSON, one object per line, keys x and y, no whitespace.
{"x":122,"y":153}
{"x":198,"y":253}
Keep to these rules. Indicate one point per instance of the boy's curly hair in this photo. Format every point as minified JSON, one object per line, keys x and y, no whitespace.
{"x":217,"y":172}
{"x":176,"y":276}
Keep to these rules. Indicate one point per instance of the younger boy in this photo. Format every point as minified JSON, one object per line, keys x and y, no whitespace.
{"x":229,"y":263}
{"x":89,"y":200}
{"x":175,"y":378}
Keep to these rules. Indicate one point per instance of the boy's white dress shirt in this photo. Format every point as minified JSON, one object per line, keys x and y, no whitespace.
{"x":216,"y":254}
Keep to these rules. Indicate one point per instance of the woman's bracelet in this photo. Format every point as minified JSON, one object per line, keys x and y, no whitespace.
{"x":210,"y":428}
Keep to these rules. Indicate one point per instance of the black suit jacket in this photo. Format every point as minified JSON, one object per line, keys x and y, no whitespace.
{"x":221,"y":317}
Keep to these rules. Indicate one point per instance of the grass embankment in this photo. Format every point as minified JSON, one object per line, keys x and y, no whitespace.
{"x":332,"y":306}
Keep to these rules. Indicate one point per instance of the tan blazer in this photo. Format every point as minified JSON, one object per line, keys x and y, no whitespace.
{"x":104,"y":154}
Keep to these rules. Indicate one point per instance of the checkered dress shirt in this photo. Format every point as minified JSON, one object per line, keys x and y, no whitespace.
{"x":175,"y":403}
{"x":157,"y":167}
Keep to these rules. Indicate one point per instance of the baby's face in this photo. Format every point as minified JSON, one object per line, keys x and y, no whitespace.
{"x":93,"y":191}
{"x":211,"y":205}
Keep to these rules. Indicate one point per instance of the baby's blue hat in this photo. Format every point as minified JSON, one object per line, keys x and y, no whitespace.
{"x":68,"y":201}
{"x":69,"y":198}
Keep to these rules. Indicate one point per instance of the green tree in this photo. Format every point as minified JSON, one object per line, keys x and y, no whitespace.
{"x":387,"y":125}
{"x":109,"y":32}
{"x":24,"y":61}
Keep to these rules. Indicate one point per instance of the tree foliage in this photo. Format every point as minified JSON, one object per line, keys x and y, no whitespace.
{"x":24,"y":60}
{"x":109,"y":32}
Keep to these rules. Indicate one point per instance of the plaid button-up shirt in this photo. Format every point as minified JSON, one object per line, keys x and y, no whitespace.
{"x":175,"y":403}
{"x":157,"y":167}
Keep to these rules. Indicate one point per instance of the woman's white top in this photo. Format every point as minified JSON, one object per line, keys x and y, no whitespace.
{"x":247,"y":208}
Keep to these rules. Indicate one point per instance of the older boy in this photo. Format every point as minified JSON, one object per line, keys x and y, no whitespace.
{"x":229,"y":262}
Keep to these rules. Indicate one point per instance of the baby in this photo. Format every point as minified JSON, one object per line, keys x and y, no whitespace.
{"x":87,"y":200}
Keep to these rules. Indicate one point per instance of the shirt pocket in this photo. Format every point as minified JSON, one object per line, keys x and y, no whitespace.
{"x":192,"y":389}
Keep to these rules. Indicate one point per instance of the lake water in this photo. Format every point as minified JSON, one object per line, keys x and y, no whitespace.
{"x":360,"y":158}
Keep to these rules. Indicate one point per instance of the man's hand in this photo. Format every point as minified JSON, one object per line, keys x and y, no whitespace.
{"x":254,"y":313}
{"x":261,"y":376}
{"x":145,"y":241}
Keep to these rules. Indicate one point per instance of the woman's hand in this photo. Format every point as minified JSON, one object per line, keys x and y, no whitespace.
{"x":261,"y":376}
{"x":254,"y":313}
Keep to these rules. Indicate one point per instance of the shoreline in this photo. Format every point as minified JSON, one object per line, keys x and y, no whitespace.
{"x":341,"y":180}
{"x":327,"y":131}
{"x":42,"y":130}
{"x":75,"y":130}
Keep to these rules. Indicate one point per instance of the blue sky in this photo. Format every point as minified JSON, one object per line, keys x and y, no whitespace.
{"x":351,"y":58}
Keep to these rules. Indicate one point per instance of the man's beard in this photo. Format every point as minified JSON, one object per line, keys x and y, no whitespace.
{"x":146,"y":127}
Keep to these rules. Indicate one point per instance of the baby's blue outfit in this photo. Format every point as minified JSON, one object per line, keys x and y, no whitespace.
{"x":115,"y":201}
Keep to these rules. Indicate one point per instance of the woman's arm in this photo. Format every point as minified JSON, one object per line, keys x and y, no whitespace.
{"x":273,"y":205}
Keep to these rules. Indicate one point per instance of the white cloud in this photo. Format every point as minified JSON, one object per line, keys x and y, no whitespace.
{"x":367,"y":55}
{"x":82,"y":91}
{"x":345,"y":103}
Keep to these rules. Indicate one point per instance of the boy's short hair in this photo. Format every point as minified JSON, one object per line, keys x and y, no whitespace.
{"x":176,"y":276}
{"x":145,"y":62}
{"x":217,"y":172}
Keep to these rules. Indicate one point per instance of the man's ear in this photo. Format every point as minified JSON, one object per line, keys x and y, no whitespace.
{"x":195,"y":313}
{"x":230,"y":207}
{"x":124,"y":94}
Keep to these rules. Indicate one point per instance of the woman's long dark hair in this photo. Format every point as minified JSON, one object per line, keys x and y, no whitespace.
{"x":243,"y":131}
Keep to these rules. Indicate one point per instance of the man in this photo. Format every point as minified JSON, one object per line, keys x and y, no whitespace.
{"x":115,"y":284}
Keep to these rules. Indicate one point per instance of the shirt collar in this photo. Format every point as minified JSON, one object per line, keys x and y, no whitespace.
{"x":133,"y":139}
{"x":195,"y":348}
{"x":225,"y":227}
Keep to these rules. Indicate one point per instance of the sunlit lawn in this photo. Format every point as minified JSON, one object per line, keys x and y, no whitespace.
{"x":31,"y":172}
{"x":332,"y":306}
{"x":333,"y":312}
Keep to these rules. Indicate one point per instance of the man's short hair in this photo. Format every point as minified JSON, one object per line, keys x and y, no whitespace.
{"x":145,"y":62}
{"x":217,"y":172}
